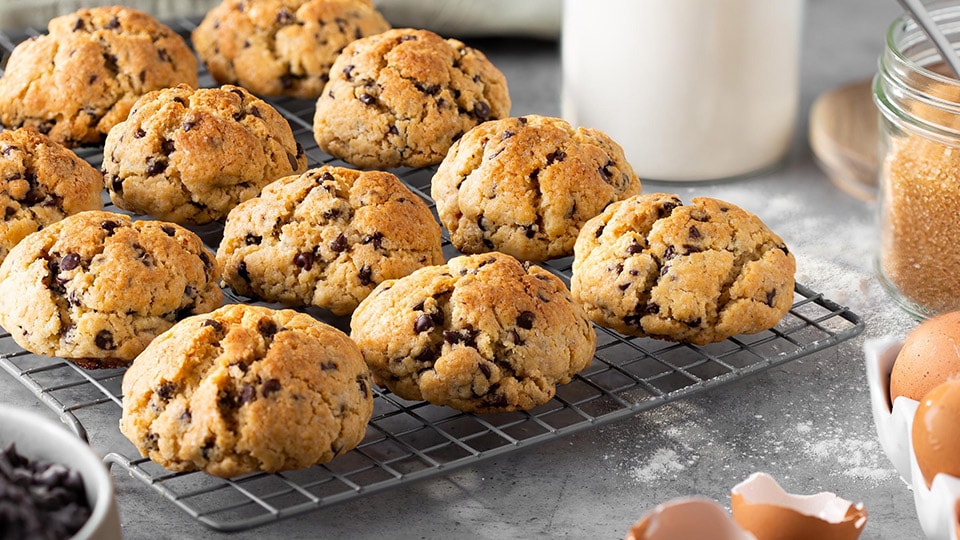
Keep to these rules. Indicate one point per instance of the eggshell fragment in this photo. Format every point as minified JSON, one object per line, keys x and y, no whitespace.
{"x":763,"y":508}
{"x":930,"y":356}
{"x":688,"y":517}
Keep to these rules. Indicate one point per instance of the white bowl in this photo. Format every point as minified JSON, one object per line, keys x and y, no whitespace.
{"x":42,"y":439}
{"x":937,"y":505}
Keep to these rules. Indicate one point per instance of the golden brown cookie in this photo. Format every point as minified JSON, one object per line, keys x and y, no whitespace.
{"x":326,"y":238}
{"x":42,"y":183}
{"x":401,"y":98}
{"x":482,"y":333}
{"x":525,"y":186}
{"x":244,"y":389}
{"x":281,"y":47}
{"x":101,"y":286}
{"x":82,"y":77}
{"x":189,"y":156}
{"x":698,"y":273}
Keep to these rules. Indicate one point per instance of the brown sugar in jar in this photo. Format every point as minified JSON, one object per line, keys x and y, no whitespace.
{"x":920,"y":224}
{"x":919,"y":198}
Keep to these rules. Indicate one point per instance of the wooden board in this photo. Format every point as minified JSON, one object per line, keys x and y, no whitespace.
{"x":843,"y":137}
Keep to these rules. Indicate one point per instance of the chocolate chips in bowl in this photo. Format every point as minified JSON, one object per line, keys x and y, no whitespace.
{"x":52,"y":484}
{"x":39,"y":498}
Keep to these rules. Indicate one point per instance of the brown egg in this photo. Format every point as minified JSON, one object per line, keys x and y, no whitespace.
{"x":936,"y":431}
{"x":930,"y":355}
{"x":761,"y":507}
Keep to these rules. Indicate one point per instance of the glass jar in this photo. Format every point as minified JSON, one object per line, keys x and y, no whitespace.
{"x":919,"y":153}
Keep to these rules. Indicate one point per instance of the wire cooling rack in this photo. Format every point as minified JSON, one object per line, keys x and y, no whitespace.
{"x":407,"y":441}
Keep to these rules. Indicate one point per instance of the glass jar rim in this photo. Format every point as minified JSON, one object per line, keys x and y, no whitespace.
{"x":909,"y":27}
{"x":904,"y":80}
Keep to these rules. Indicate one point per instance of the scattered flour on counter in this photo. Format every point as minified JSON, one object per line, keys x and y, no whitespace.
{"x":862,"y":459}
{"x":847,"y":286}
{"x":839,"y":448}
{"x":664,"y":461}
{"x":779,"y":205}
{"x":676,"y":446}
{"x":770,"y":207}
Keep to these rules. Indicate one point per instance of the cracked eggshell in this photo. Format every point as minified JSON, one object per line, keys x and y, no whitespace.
{"x":893,"y":423}
{"x":763,"y":508}
{"x":687,"y":517}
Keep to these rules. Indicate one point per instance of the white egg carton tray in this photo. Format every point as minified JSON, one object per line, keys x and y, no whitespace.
{"x":938,"y":507}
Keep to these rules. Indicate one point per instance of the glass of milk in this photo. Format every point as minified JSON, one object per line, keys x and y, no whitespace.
{"x":692,"y":89}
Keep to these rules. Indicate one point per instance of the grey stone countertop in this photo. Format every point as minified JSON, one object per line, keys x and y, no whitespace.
{"x":807,"y":422}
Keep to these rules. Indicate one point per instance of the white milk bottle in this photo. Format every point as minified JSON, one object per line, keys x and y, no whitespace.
{"x":692,"y":89}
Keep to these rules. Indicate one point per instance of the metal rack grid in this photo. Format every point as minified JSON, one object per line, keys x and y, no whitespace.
{"x":408,"y":441}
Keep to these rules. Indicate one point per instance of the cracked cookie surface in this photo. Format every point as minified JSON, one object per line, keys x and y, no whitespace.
{"x":482,"y":333}
{"x":326,"y":238}
{"x":402,"y":97}
{"x":101,"y":286}
{"x":698,"y":273}
{"x":524,"y":186}
{"x":281,"y":47}
{"x":42,"y":183}
{"x":189,"y":156}
{"x":244,"y":389}
{"x":82,"y":77}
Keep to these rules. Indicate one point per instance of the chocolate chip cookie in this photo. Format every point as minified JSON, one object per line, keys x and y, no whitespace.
{"x":189,"y":156}
{"x":401,"y":98}
{"x":82,"y":77}
{"x":247,"y":388}
{"x":698,"y":273}
{"x":281,"y":47}
{"x":482,"y":333}
{"x":525,"y":186}
{"x":326,"y":238}
{"x":42,"y":183}
{"x":101,"y":286}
